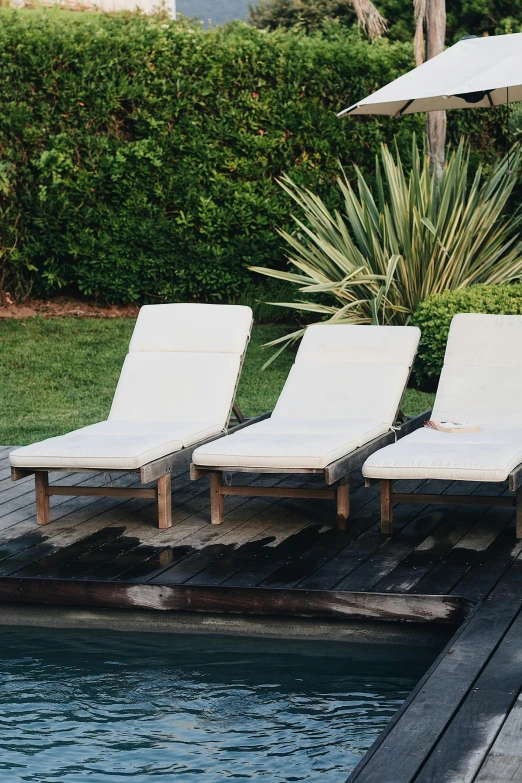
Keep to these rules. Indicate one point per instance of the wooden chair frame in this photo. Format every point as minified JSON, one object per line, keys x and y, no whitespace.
{"x":389,"y":497}
{"x":336,"y":476}
{"x":158,"y":470}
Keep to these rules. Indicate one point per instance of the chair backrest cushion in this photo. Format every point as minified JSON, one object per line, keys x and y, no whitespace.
{"x":482,"y":375}
{"x":183,"y":363}
{"x":349,"y":372}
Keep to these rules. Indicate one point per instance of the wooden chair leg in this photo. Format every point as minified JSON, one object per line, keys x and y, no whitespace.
{"x":165,"y":502}
{"x":343,"y":502}
{"x":386,"y":506}
{"x":217,"y":507}
{"x":43,"y":509}
{"x":518,"y":506}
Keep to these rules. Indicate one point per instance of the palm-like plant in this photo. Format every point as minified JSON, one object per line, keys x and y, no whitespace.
{"x":416,"y":235}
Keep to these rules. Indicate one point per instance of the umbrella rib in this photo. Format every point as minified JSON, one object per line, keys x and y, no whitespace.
{"x":406,"y":106}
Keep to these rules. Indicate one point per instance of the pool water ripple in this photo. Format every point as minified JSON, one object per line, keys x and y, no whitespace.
{"x":103,"y":707}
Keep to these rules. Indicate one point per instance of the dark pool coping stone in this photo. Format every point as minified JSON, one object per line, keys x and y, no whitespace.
{"x":385,"y":633}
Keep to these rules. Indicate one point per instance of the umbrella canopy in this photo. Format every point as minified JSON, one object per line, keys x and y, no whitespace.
{"x":474,"y":73}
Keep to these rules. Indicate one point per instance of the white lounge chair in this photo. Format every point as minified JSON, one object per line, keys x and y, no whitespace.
{"x":338,"y":405}
{"x":175,"y":391}
{"x":481,"y":382}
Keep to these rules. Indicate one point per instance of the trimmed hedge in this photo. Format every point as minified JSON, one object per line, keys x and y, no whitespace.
{"x":138,"y":156}
{"x":434,"y":316}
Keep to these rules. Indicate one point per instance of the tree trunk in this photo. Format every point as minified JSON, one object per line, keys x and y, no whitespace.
{"x":436,"y":120}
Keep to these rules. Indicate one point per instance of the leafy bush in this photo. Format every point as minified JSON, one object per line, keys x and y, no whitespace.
{"x":433,"y":317}
{"x":414,"y":235}
{"x":138,"y":157}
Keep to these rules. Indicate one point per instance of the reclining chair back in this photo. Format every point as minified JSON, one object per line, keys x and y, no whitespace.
{"x":482,"y":375}
{"x":345,"y":371}
{"x":183,"y":363}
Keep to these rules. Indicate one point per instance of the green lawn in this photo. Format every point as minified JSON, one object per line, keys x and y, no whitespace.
{"x":60,"y":373}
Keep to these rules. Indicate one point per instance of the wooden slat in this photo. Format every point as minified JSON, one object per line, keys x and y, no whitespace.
{"x":447,"y":573}
{"x":395,"y":552}
{"x":431,"y":551}
{"x":279,"y":492}
{"x":115,"y":492}
{"x":356,"y":459}
{"x":503,"y":763}
{"x":489,"y":568}
{"x":271,"y":522}
{"x":356,"y":552}
{"x":198,"y":535}
{"x":413,"y":423}
{"x":475,"y":725}
{"x":390,"y":554}
{"x":258,"y":601}
{"x":471,"y":500}
{"x":404,"y":746}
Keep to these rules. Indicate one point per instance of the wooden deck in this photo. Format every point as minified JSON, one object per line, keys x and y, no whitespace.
{"x":443,"y":564}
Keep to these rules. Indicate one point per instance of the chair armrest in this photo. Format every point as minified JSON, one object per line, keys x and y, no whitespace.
{"x":413,"y":423}
{"x":247,"y":422}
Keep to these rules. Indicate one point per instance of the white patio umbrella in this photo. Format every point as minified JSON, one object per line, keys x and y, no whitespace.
{"x":474,"y":73}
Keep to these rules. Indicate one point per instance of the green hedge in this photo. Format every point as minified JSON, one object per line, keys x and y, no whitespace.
{"x":138,"y":157}
{"x":434,"y":316}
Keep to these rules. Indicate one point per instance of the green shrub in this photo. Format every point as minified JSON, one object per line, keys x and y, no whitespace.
{"x":434,"y":315}
{"x":414,"y":235}
{"x":138,"y":156}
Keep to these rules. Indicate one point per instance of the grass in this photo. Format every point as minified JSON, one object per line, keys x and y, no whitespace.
{"x":60,"y":373}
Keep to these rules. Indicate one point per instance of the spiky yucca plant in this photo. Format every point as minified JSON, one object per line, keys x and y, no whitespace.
{"x":413,"y":236}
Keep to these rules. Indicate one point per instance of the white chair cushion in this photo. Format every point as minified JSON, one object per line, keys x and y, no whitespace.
{"x":192,"y":327}
{"x":117,"y":445}
{"x":351,"y":344}
{"x":288,"y":443}
{"x":488,"y":455}
{"x":484,"y":339}
{"x":349,"y":372}
{"x":317,"y":390}
{"x":176,"y":387}
{"x":482,"y":374}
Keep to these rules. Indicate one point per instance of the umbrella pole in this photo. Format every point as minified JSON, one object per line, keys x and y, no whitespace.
{"x":436,"y":120}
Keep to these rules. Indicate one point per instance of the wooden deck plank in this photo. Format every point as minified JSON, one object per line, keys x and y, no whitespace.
{"x":330,"y":544}
{"x":257,"y":601}
{"x":503,"y":763}
{"x":476,"y":724}
{"x":205,"y":545}
{"x":490,"y":567}
{"x":389,"y":555}
{"x":421,"y":560}
{"x":455,"y":522}
{"x":273,"y":520}
{"x":138,"y":518}
{"x":64,"y":531}
{"x":146,"y":564}
{"x":327,"y":576}
{"x":446,"y":574}
{"x":263,"y":527}
{"x":403,"y":747}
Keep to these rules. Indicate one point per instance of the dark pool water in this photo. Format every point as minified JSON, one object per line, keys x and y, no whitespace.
{"x":105,"y":707}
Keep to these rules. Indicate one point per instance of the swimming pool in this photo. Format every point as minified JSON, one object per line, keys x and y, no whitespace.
{"x":104,"y":707}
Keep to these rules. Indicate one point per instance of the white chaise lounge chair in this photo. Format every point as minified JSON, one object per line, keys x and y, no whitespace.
{"x":175,"y":391}
{"x":481,"y":382}
{"x":338,"y":405}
